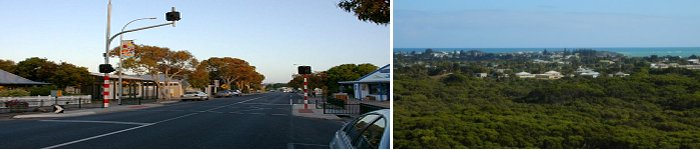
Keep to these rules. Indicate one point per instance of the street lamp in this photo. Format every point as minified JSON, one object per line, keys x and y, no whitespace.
{"x":106,"y":68}
{"x":119,"y":72}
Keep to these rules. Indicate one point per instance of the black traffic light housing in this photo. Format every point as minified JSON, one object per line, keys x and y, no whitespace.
{"x":106,"y":68}
{"x":172,"y":16}
{"x":304,"y":69}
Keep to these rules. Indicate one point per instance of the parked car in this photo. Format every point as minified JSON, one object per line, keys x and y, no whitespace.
{"x":224,"y":93}
{"x":198,"y":95}
{"x":369,"y":131}
{"x":236,"y":93}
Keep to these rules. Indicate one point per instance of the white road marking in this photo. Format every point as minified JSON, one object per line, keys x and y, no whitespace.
{"x":264,"y":104}
{"x":115,"y":132}
{"x":92,"y":121}
{"x":235,"y":103}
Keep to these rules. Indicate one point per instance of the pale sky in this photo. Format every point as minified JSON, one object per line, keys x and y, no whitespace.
{"x":270,"y":34}
{"x":546,"y":23}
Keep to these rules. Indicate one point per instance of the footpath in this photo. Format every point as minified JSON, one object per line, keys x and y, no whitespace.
{"x":82,"y":112}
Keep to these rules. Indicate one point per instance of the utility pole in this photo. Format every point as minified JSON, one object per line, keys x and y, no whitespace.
{"x":105,"y":93}
{"x":106,"y":68}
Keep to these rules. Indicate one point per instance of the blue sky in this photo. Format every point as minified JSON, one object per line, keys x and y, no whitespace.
{"x":270,"y":34}
{"x":546,"y":23}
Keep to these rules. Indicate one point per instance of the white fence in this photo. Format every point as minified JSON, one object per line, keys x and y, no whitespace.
{"x":38,"y":101}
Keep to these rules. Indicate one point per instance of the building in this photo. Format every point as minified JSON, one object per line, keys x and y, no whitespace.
{"x":551,"y":74}
{"x":12,"y":81}
{"x":587,"y":72}
{"x":621,"y":74}
{"x":480,"y":75}
{"x":373,"y":86}
{"x":524,"y":75}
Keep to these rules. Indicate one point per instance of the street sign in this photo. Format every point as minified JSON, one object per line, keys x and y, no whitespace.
{"x":56,"y":93}
{"x":127,"y":48}
{"x":57,"y":109}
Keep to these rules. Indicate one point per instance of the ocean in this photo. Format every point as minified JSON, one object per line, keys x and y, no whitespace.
{"x":627,"y":51}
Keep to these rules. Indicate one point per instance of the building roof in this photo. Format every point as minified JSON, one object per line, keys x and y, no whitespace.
{"x":522,"y":73}
{"x":552,"y":72}
{"x":7,"y":78}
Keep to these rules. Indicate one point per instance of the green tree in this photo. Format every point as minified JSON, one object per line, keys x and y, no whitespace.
{"x":376,"y":11}
{"x":199,"y":78}
{"x":71,"y":75}
{"x":8,"y":65}
{"x":36,"y":69}
{"x":346,"y":72}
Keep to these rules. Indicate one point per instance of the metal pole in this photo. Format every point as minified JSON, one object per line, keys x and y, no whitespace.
{"x":121,"y":47}
{"x":106,"y":55}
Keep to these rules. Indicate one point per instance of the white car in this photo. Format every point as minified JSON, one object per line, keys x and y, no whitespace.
{"x":195,"y":96}
{"x":369,"y":131}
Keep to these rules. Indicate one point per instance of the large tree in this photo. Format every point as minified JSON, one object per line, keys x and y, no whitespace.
{"x":36,"y":69}
{"x":376,"y":11}
{"x":199,"y":78}
{"x":156,"y":61}
{"x":346,"y":72}
{"x":233,"y":72}
{"x":62,"y":75}
{"x":8,"y":65}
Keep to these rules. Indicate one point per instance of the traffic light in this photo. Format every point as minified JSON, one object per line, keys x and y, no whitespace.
{"x":106,"y":68}
{"x":304,"y":69}
{"x":172,"y":16}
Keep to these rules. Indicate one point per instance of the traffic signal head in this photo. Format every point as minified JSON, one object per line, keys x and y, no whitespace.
{"x":304,"y":69}
{"x":172,"y":16}
{"x":106,"y":68}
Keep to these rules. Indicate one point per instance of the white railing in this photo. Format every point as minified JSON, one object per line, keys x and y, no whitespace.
{"x":38,"y":101}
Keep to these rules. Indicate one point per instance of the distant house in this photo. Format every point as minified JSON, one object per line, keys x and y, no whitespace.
{"x":524,"y":75}
{"x":694,"y":61}
{"x":480,"y":75}
{"x":11,"y":81}
{"x":587,"y":72}
{"x":621,"y":74}
{"x":553,"y":74}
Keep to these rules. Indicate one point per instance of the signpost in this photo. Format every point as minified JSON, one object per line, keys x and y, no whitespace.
{"x":127,"y":48}
{"x":55,"y":94}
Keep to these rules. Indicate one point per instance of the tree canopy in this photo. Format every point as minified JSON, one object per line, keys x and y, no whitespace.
{"x":376,"y":11}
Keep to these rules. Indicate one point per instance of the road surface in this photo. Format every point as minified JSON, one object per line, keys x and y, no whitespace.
{"x":252,"y":121}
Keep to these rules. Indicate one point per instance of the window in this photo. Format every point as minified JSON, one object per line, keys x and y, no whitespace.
{"x":372,"y":136}
{"x":354,"y":130}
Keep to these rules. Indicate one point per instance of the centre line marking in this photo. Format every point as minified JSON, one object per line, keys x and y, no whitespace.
{"x":91,"y":121}
{"x":235,"y":103}
{"x":115,"y":132}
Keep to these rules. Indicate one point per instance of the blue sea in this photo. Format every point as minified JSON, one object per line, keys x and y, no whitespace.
{"x":627,"y":51}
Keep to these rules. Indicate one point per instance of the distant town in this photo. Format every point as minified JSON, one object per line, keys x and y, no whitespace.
{"x":538,"y":65}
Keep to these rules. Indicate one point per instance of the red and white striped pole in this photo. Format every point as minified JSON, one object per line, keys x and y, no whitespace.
{"x":105,"y":93}
{"x":306,"y":93}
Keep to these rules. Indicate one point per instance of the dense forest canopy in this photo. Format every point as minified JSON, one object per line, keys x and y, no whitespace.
{"x":651,"y":108}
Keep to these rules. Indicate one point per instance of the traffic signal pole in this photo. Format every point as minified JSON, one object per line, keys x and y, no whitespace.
{"x":105,"y":85}
{"x":171,"y":16}
{"x":306,"y":93}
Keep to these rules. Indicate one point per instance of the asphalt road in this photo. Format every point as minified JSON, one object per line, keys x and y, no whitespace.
{"x":253,"y":121}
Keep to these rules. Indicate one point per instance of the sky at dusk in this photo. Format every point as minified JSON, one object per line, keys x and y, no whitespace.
{"x":546,"y":23}
{"x":272,"y":35}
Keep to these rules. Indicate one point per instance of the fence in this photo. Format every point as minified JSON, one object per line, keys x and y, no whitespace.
{"x":342,"y":107}
{"x":41,"y":101}
{"x":345,"y":109}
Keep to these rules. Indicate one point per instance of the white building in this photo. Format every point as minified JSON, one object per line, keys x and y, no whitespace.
{"x":373,"y":86}
{"x":524,"y":75}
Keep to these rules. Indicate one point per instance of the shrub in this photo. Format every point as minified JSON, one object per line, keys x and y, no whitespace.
{"x":42,"y":90}
{"x":13,"y":93}
{"x":17,"y":106}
